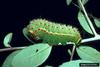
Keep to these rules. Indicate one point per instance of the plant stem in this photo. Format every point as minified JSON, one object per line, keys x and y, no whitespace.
{"x":89,"y":21}
{"x":97,"y":37}
{"x":12,"y":48}
{"x":72,"y":53}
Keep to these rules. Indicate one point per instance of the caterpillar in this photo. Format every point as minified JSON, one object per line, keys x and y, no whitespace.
{"x":53,"y":33}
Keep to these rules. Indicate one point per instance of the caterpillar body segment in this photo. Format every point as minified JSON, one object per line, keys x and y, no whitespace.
{"x":53,"y":33}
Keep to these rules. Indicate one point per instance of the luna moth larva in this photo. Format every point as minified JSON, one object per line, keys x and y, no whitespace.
{"x":53,"y":33}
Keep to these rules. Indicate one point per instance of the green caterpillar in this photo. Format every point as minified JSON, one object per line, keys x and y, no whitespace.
{"x":53,"y":33}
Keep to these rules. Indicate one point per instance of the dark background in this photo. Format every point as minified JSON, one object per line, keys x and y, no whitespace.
{"x":16,"y":14}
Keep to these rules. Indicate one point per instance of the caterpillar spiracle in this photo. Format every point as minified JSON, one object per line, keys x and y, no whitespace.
{"x":53,"y":33}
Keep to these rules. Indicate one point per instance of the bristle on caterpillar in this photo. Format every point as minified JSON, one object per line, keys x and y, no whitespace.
{"x":53,"y":33}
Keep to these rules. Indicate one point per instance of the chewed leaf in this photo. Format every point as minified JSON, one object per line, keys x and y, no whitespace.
{"x":68,"y":2}
{"x":74,"y":63}
{"x":27,"y":35}
{"x":32,"y":56}
{"x":97,"y":22}
{"x":84,"y":23}
{"x":88,"y":53}
{"x":7,"y":39}
{"x":8,"y":61}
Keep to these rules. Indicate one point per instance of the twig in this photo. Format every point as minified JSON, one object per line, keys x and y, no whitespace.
{"x":12,"y":48}
{"x":89,"y":21}
{"x":97,"y":37}
{"x":72,"y":53}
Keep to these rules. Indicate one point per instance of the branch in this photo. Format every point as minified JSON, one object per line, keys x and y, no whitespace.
{"x":12,"y":48}
{"x":72,"y":53}
{"x":97,"y":37}
{"x":89,"y":21}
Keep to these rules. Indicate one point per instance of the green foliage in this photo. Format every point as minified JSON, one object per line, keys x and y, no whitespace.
{"x":9,"y":59}
{"x":97,"y":22}
{"x":84,"y":1}
{"x":27,"y":35}
{"x":69,"y":51}
{"x":32,"y":56}
{"x":88,"y":53}
{"x":7,"y":39}
{"x":52,"y":33}
{"x":84,"y":23}
{"x":68,"y":2}
{"x":74,"y":63}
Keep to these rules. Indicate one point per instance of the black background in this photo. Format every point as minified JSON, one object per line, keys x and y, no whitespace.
{"x":16,"y":14}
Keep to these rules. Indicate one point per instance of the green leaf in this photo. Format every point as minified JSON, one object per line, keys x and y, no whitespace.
{"x":68,"y":2}
{"x":83,"y":22}
{"x":7,"y":40}
{"x":74,"y":63}
{"x":32,"y":56}
{"x":88,"y":53}
{"x":69,"y":51}
{"x":8,"y":61}
{"x":97,"y":22}
{"x":84,"y":1}
{"x":27,"y":35}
